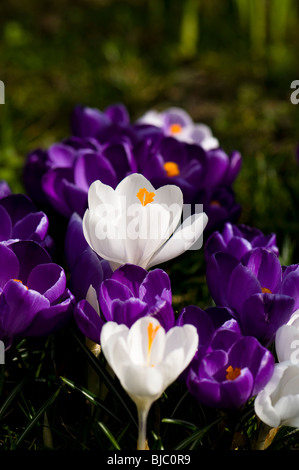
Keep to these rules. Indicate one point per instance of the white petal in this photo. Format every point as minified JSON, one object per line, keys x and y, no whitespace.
{"x":92,"y":298}
{"x":152,"y":117}
{"x":287,"y":343}
{"x":184,"y":238}
{"x":265,"y":411}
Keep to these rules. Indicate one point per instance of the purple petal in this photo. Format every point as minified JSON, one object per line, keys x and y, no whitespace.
{"x":29,"y":254}
{"x":112,"y":291}
{"x":22,"y":305}
{"x":265,"y":266}
{"x":118,"y":114}
{"x":32,"y":227}
{"x":156,"y":283}
{"x":5,"y":226}
{"x":91,"y":167}
{"x":131,"y":276}
{"x":49,"y":280}
{"x":218,"y":273}
{"x":263,"y":314}
{"x":75,"y":242}
{"x":53,"y":184}
{"x":87,"y":122}
{"x":49,"y":320}
{"x":9,"y":265}
{"x":95,"y":271}
{"x":234,"y":393}
{"x":88,"y":321}
{"x":61,"y":155}
{"x":242,"y":284}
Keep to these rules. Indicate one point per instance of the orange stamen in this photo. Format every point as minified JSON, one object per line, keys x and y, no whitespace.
{"x":232,"y":373}
{"x":175,"y":128}
{"x":266,"y":290}
{"x":171,"y":168}
{"x":215,"y":203}
{"x":144,"y":196}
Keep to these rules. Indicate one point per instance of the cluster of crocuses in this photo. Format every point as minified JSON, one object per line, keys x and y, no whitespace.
{"x":122,"y":187}
{"x":34,"y":298}
{"x":166,"y":147}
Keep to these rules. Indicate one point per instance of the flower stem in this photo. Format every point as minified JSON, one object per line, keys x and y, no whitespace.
{"x":142,"y":423}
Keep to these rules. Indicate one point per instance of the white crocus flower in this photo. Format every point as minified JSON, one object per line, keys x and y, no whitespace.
{"x":137,"y":224}
{"x":287,"y":340}
{"x":278,"y":403}
{"x":147,"y":360}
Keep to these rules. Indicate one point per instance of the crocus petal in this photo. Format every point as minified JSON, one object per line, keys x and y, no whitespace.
{"x":286,"y":343}
{"x":183,"y":239}
{"x":88,"y":320}
{"x":20,"y":299}
{"x":49,"y":280}
{"x":9,"y":265}
{"x":6,"y":225}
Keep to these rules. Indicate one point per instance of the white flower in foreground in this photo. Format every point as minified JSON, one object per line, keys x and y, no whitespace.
{"x":137,"y":224}
{"x":278,"y":403}
{"x":287,"y":340}
{"x":147,"y":360}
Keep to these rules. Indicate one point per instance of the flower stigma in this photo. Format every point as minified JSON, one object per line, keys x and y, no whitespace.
{"x":232,"y":373}
{"x":171,"y":168}
{"x":151,"y":333}
{"x":144,"y":196}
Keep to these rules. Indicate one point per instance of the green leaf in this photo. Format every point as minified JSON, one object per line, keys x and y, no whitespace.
{"x":11,"y":397}
{"x":105,"y":377}
{"x":36,"y":418}
{"x":194,"y":439}
{"x":109,"y":435}
{"x":180,"y":422}
{"x":89,"y":395}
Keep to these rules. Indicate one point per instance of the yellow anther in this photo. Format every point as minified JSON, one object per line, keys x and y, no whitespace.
{"x":144,"y":196}
{"x":171,"y":168}
{"x":175,"y":128}
{"x":232,"y":373}
{"x":265,"y":290}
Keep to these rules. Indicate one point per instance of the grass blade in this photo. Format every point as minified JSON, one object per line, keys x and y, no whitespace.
{"x":109,"y":435}
{"x":37,"y":417}
{"x":89,"y":395}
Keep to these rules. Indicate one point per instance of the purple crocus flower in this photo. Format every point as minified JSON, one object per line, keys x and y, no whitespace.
{"x":20,"y":220}
{"x":165,"y":160}
{"x":178,"y":123}
{"x":229,"y":368}
{"x":238,"y":240}
{"x":129,"y":294}
{"x":34,"y":300}
{"x":260,"y":292}
{"x":65,"y":172}
{"x":221,"y":206}
{"x":89,"y":122}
